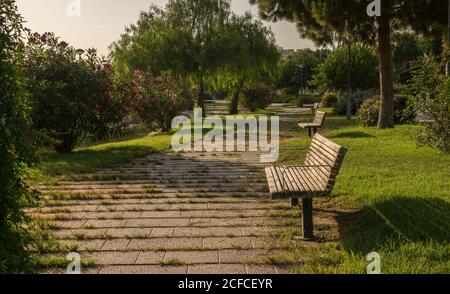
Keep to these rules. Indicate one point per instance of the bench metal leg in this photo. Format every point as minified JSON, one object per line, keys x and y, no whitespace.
{"x":309,"y":132}
{"x":307,"y":218}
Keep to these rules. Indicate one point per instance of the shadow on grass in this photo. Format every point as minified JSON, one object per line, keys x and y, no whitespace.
{"x":409,"y":219}
{"x":333,"y":122}
{"x":353,"y":135}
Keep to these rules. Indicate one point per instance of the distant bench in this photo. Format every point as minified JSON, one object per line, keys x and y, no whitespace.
{"x":315,"y":179}
{"x":317,"y":123}
{"x":313,"y":107}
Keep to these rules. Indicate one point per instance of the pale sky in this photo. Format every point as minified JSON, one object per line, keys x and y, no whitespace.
{"x":102,"y":21}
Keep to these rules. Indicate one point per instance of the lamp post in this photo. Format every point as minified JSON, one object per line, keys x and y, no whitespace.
{"x":302,"y":78}
{"x":348,"y":100}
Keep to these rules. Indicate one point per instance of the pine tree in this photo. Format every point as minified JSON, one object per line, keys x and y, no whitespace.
{"x":324,"y":21}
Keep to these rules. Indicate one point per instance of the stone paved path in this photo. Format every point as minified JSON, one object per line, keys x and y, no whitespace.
{"x":171,"y":213}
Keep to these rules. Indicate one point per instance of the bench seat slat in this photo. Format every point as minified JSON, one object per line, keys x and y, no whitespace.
{"x":304,"y":178}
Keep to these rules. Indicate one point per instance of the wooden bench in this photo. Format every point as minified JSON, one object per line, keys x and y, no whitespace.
{"x":314,"y":179}
{"x":313,"y":107}
{"x":317,"y":123}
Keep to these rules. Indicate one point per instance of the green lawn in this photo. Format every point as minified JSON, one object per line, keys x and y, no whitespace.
{"x":401,"y":196}
{"x":392,"y":197}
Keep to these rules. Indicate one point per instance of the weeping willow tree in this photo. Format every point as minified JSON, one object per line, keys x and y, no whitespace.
{"x":252,"y":57}
{"x":183,"y":38}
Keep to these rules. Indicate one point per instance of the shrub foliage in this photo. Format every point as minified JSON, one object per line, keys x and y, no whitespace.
{"x":357,"y":98}
{"x":73,"y":92}
{"x":403,"y":111}
{"x":161,"y":98}
{"x":431,"y":89}
{"x":257,"y":96}
{"x":15,"y":147}
{"x":330,"y":99}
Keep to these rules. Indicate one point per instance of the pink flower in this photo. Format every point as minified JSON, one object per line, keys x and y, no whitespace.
{"x":137,"y":73}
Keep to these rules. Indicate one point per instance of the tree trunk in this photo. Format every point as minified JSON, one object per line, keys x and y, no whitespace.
{"x":201,"y":95}
{"x":234,"y":105}
{"x":386,"y":118}
{"x":447,"y":70}
{"x":348,"y":99}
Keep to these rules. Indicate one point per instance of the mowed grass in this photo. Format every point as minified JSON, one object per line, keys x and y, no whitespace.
{"x":400,"y":199}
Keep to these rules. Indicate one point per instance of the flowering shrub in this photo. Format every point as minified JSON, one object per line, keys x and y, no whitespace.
{"x":162,"y":98}
{"x":73,"y":92}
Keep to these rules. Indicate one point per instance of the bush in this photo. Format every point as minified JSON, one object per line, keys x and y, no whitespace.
{"x":431,"y":89}
{"x":369,"y":111}
{"x":162,"y":98}
{"x":357,"y":97}
{"x":282,"y":96}
{"x":256,"y":97}
{"x":16,"y":152}
{"x":74,"y":95}
{"x":309,"y":98}
{"x":404,"y":111}
{"x":329,"y":99}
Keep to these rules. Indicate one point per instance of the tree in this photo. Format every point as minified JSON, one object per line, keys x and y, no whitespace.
{"x":323,"y":20}
{"x":447,"y":66}
{"x":16,"y":148}
{"x":298,"y":69}
{"x":252,"y":56}
{"x":408,"y":49}
{"x":184,"y":38}
{"x":332,"y":73}
{"x":72,"y":92}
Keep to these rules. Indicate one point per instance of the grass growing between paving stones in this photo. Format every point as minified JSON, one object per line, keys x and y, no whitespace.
{"x":400,"y":199}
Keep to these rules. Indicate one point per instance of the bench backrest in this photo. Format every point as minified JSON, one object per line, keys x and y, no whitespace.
{"x":330,"y":156}
{"x":319,"y":119}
